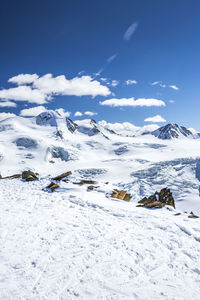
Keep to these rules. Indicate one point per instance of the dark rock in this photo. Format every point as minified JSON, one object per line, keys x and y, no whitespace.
{"x":72,"y":126}
{"x":92,"y":187}
{"x":29,"y":175}
{"x":62,"y":176}
{"x":84,"y":181}
{"x":177,"y":214}
{"x":192,"y":215}
{"x":59,"y":134}
{"x":153,"y":204}
{"x":52,"y":186}
{"x":164,"y":197}
{"x":12,"y":176}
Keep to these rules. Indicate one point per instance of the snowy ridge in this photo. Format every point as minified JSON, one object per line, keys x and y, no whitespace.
{"x":171,"y":131}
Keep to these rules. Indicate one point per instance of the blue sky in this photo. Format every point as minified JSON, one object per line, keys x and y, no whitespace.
{"x":147,"y":42}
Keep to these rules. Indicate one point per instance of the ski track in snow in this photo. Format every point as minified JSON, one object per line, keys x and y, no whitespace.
{"x":75,"y":244}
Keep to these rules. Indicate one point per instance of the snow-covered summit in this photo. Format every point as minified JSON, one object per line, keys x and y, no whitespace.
{"x":171,"y":131}
{"x":48,"y":118}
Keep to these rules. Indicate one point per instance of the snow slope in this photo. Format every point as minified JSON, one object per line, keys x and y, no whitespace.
{"x":79,"y":244}
{"x":74,"y":244}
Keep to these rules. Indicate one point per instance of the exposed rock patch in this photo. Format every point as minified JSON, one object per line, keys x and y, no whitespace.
{"x":29,"y":176}
{"x":158,"y":200}
{"x":52,"y":186}
{"x":26,"y":143}
{"x":122,"y":195}
{"x":62,"y":176}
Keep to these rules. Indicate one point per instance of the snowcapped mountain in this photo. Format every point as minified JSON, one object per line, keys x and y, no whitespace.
{"x":80,"y":242}
{"x":171,"y":131}
{"x":50,"y":143}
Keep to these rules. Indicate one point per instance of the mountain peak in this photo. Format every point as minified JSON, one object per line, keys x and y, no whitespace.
{"x":172,"y":130}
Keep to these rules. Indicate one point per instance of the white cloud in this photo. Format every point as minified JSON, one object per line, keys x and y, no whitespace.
{"x":62,"y":112}
{"x":155,"y":82}
{"x":43,"y":88}
{"x":90,"y":113}
{"x":114,"y":83}
{"x":4,"y":115}
{"x":159,"y":83}
{"x":130,"y":31}
{"x":78,"y":114}
{"x":171,"y":101}
{"x":155,"y":119}
{"x":103,"y":79}
{"x":24,"y":93}
{"x":132,"y":102}
{"x":23,"y":79}
{"x":111,"y":58}
{"x":174,"y":87}
{"x":130,"y":82}
{"x":33,"y":111}
{"x":7,"y":104}
{"x":77,"y":86}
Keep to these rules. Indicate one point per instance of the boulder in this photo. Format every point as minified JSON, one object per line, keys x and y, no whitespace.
{"x":29,"y":175}
{"x":84,"y":181}
{"x":52,"y":186}
{"x":158,"y":199}
{"x":192,"y":215}
{"x":92,"y":187}
{"x":122,"y":195}
{"x":62,"y":176}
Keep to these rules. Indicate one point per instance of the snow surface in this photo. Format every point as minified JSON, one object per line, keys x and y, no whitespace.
{"x":76,"y":243}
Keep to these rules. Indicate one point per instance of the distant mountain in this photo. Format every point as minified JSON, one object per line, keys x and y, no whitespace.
{"x":171,"y":131}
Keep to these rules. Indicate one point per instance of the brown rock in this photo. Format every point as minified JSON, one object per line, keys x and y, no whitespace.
{"x":52,"y":186}
{"x":83,"y":181}
{"x":12,"y":176}
{"x":29,"y":175}
{"x":158,"y":199}
{"x":61,"y":176}
{"x":122,"y":195}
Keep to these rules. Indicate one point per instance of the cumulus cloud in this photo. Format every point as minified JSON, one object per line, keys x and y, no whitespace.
{"x":78,"y":114}
{"x":33,"y":111}
{"x":7,"y":104}
{"x":90,"y":113}
{"x":174,"y":87}
{"x":24,"y":93}
{"x":130,"y":82}
{"x":171,"y":101}
{"x":130,"y":31}
{"x":155,"y":119}
{"x":132,"y":102}
{"x":77,"y":86}
{"x":4,"y":115}
{"x":23,"y":79}
{"x":42,"y":89}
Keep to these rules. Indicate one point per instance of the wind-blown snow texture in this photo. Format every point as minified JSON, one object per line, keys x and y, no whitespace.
{"x":76,"y":243}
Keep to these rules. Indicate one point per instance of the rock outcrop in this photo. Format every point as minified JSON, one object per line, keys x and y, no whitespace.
{"x":121,"y":195}
{"x":62,"y":176}
{"x":29,"y":176}
{"x":158,"y":199}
